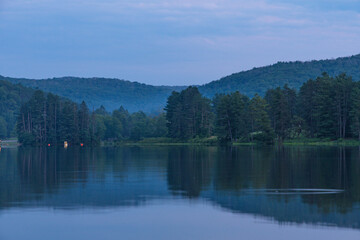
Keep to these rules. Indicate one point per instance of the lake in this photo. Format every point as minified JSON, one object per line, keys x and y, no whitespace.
{"x":180,"y":192}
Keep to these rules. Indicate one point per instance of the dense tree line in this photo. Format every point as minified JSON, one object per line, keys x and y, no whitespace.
{"x":11,"y":98}
{"x":121,"y":125}
{"x":188,"y":114}
{"x":327,"y":107}
{"x":49,"y":119}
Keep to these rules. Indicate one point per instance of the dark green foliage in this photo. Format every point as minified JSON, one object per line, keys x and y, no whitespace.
{"x":11,"y":98}
{"x":159,"y":125}
{"x":3,"y":128}
{"x":84,"y":123}
{"x":342,"y":87}
{"x":327,"y":107}
{"x":101,"y":111}
{"x":260,"y":122}
{"x":113,"y":128}
{"x":355,"y":110}
{"x":110,"y":93}
{"x":50,"y":120}
{"x":282,"y":104}
{"x":324,"y":108}
{"x":306,"y":106}
{"x":259,"y":80}
{"x":124,"y":118}
{"x":188,"y":114}
{"x":232,"y":116}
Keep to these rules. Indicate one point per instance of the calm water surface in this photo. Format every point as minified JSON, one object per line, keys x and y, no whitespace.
{"x":180,"y":193}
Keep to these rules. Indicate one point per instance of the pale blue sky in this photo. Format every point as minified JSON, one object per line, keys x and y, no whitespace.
{"x":173,"y":42}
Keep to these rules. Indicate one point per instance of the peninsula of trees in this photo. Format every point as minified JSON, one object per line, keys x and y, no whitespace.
{"x":327,"y":107}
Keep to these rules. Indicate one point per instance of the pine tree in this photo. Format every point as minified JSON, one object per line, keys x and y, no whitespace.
{"x":260,"y":121}
{"x":84,"y":123}
{"x":355,"y":110}
{"x":188,"y":114}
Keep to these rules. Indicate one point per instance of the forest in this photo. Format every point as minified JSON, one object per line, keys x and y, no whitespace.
{"x":11,"y":98}
{"x":49,"y":119}
{"x":107,"y":92}
{"x":259,"y":80}
{"x":324,"y":108}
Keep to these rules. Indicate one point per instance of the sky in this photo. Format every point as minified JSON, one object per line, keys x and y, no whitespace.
{"x":170,"y":42}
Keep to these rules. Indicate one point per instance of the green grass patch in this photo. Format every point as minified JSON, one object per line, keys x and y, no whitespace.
{"x":164,"y":142}
{"x":322,"y":142}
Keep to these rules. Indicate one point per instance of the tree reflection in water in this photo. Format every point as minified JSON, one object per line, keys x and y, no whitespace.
{"x":238,"y":179}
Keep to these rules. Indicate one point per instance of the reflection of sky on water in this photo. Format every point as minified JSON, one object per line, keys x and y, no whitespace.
{"x":159,"y":220}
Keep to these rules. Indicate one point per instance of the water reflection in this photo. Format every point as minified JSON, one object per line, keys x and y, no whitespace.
{"x":315,"y":185}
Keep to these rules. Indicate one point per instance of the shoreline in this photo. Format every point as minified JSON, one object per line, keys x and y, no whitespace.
{"x":212,"y":141}
{"x":205,"y":142}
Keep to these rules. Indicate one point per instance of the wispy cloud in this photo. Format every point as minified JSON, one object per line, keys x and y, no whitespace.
{"x":136,"y":39}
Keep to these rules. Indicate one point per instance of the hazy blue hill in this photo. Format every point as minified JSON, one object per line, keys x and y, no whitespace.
{"x":134,"y":96}
{"x":258,"y":80}
{"x":111,"y":93}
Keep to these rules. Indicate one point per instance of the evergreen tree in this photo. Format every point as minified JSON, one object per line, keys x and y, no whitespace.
{"x":188,"y":114}
{"x":160,"y":129}
{"x":124,"y":117}
{"x":69,"y":123}
{"x":260,"y":122}
{"x":53,"y":114}
{"x":342,"y":87}
{"x":324,"y":112}
{"x":281,"y":110}
{"x":232,"y":119}
{"x":3,"y":128}
{"x":84,"y":124}
{"x":355,"y":110}
{"x":306,"y":103}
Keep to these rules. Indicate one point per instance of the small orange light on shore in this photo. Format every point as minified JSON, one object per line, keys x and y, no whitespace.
{"x":81,"y":144}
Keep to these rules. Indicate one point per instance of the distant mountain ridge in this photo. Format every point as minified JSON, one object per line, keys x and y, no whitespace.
{"x":259,"y":80}
{"x":113,"y":93}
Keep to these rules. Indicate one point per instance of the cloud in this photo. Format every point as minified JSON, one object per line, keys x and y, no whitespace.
{"x":123,"y":36}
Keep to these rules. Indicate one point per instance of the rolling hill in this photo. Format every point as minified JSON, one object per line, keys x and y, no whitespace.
{"x":134,"y":96}
{"x":111,"y":93}
{"x":258,"y":80}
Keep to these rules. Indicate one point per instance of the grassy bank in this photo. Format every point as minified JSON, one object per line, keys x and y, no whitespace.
{"x":210,"y":141}
{"x":323,"y":142}
{"x":213,"y":141}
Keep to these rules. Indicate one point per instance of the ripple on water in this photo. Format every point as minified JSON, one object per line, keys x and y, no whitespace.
{"x":295,"y":191}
